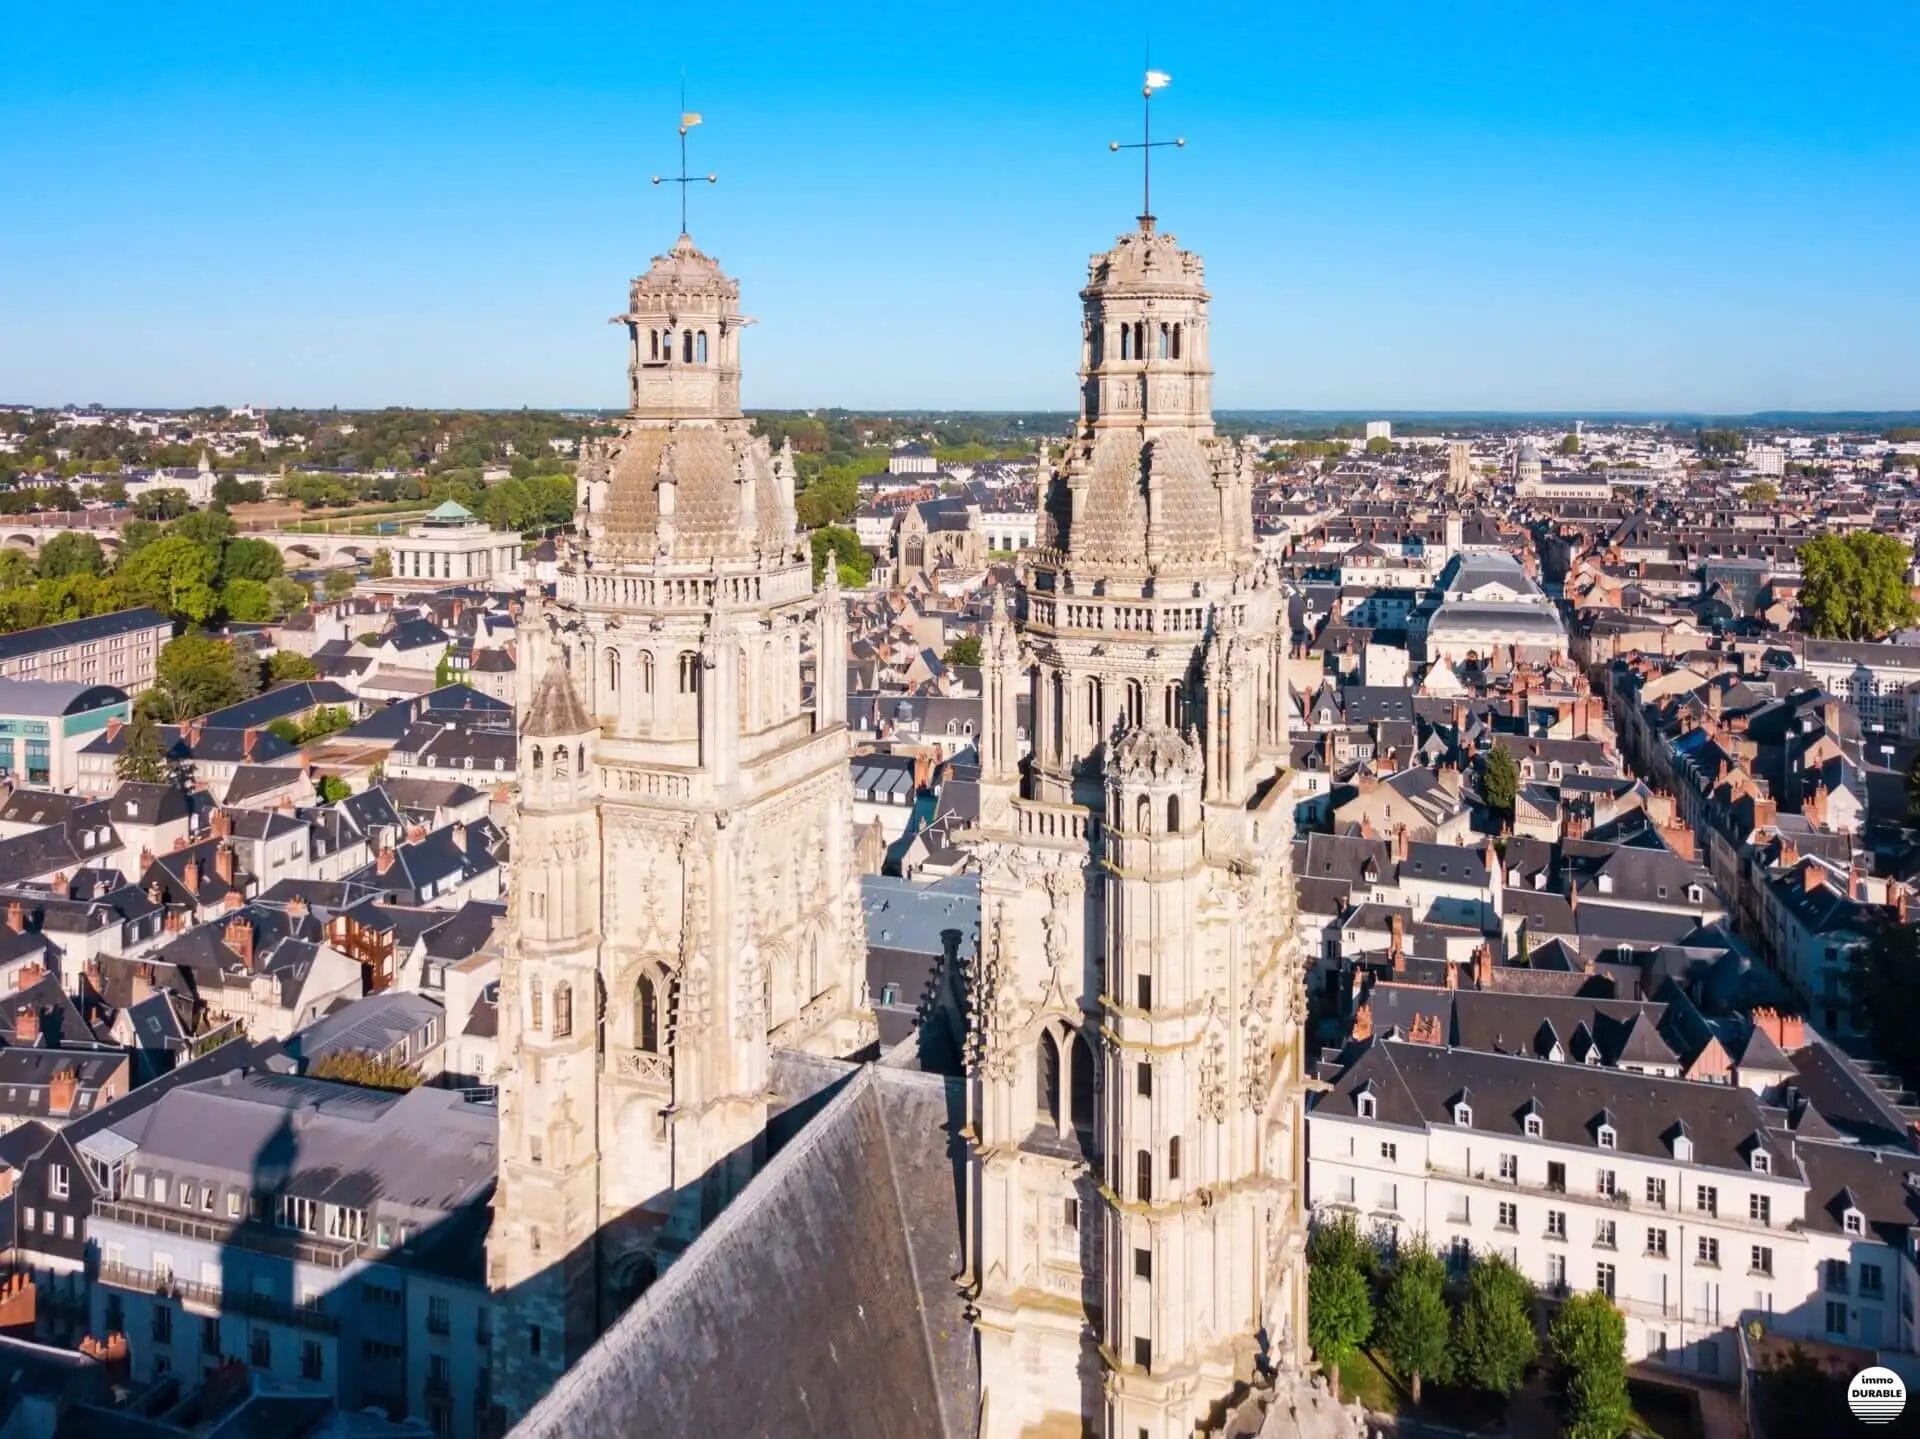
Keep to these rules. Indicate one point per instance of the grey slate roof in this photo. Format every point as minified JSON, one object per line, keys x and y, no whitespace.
{"x":820,"y":1302}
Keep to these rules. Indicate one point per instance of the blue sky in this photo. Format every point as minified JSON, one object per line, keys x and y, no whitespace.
{"x":1636,"y":205}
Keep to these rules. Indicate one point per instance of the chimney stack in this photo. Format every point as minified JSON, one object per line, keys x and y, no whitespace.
{"x":460,"y":836}
{"x":28,"y":975}
{"x":190,"y":877}
{"x":384,"y":862}
{"x":26,"y":1025}
{"x":114,"y":726}
{"x":62,"y":1089}
{"x":223,"y":862}
{"x":1397,"y":944}
{"x":222,"y":824}
{"x":239,"y":938}
{"x":249,"y":737}
{"x":16,"y":916}
{"x":1483,"y":966}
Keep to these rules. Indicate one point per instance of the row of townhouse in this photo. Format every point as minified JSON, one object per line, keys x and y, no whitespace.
{"x":1694,"y":1206}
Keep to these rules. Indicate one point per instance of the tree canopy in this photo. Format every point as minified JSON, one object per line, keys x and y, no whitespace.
{"x":963,"y":651}
{"x":1339,"y":1302}
{"x":1856,"y":585}
{"x":1494,"y":1339}
{"x":1499,"y":780}
{"x":1415,"y":1327}
{"x":1589,"y":1340}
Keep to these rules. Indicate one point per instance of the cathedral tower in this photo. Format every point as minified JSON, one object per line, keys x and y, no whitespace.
{"x":683,"y":839}
{"x":1134,"y":1227}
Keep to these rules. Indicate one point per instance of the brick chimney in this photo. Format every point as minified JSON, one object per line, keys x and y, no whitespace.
{"x":16,"y":916}
{"x":28,"y":975}
{"x":190,"y":877}
{"x":1483,"y":967}
{"x":238,"y":937}
{"x":1397,"y":944}
{"x":1453,"y":974}
{"x":223,"y":862}
{"x":1812,"y":876}
{"x":114,"y":726}
{"x":1815,"y":807}
{"x":1789,"y":1031}
{"x":233,"y":900}
{"x":1400,"y":844}
{"x":416,"y":833}
{"x":384,"y":862}
{"x":249,"y":737}
{"x":26,"y":1026}
{"x":17,"y":1306}
{"x":222,"y":825}
{"x":1856,"y":882}
{"x":62,"y":1090}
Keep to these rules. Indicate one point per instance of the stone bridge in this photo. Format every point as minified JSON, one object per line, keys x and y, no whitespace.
{"x":300,"y":549}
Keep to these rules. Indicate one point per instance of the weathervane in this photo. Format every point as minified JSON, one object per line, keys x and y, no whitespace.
{"x":688,"y":119}
{"x":1146,"y":144}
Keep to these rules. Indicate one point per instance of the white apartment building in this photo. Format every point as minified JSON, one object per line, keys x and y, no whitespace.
{"x":1691,"y":1204}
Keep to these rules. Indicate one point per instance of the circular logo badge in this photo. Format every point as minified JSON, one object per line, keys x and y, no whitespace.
{"x":1876,"y":1395}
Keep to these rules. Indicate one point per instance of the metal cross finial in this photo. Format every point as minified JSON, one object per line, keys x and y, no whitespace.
{"x":1146,"y":144}
{"x":688,"y":119}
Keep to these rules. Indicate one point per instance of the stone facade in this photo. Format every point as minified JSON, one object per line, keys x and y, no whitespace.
{"x":1135,"y":1057}
{"x":685,"y":899}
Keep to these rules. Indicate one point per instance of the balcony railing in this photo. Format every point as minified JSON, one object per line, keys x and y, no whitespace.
{"x":222,"y":1301}
{"x":247,"y":1234}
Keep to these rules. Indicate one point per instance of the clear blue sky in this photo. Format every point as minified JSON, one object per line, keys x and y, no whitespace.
{"x":1638,"y":205}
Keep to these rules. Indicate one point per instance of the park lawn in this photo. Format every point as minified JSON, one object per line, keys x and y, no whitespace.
{"x":1367,"y":1379}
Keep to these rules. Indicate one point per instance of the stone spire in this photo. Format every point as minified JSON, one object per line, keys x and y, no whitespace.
{"x":686,"y":479}
{"x":556,"y":708}
{"x":1145,"y":486}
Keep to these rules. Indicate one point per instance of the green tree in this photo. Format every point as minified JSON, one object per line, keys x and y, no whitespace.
{"x":174,"y":575}
{"x":1499,"y":781}
{"x":288,"y":595}
{"x":288,"y":665}
{"x":963,"y":651}
{"x":855,"y":564}
{"x":244,"y":559}
{"x":1720,"y":444}
{"x":381,"y":567}
{"x":1855,"y":585}
{"x":1884,"y":985}
{"x":1415,"y":1328}
{"x":285,"y":729}
{"x":1494,"y":1339}
{"x":1339,"y":1303}
{"x":1379,"y":445}
{"x":248,"y":601}
{"x":197,"y":673}
{"x":1589,"y":1343}
{"x":368,"y":1070}
{"x":71,"y":554}
{"x":338,"y":584}
{"x":443,"y":671}
{"x":333,"y":789}
{"x":1761,"y":492}
{"x":162,"y":505}
{"x":142,"y":758}
{"x":209,"y":529}
{"x":1569,"y":444}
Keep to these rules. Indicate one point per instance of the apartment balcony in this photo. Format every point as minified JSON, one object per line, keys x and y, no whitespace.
{"x":245,"y":1234}
{"x":212,"y":1299}
{"x":1622,"y":1200}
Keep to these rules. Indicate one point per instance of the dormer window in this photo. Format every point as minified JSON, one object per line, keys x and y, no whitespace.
{"x":1604,"y":884}
{"x":1762,"y":1162}
{"x":1463,"y":1115}
{"x":1854,"y":1222}
{"x":1534,"y":1127}
{"x":1366,"y":1105}
{"x":1695,"y":894}
{"x":1608,"y":1137}
{"x":1683,"y":1149}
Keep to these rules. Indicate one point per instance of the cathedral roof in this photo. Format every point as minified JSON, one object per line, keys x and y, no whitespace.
{"x":731,"y":497}
{"x":1154,"y":497}
{"x":821,"y":1301}
{"x":685,"y":270}
{"x":556,"y":708}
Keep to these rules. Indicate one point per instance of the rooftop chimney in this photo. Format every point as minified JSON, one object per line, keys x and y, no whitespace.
{"x":249,"y":737}
{"x":114,"y":725}
{"x":384,"y":862}
{"x":460,"y":836}
{"x":239,"y":938}
{"x":1483,"y":967}
{"x":26,"y":1025}
{"x":190,"y":877}
{"x":16,"y":916}
{"x":28,"y":975}
{"x":222,"y":821}
{"x":62,"y":1089}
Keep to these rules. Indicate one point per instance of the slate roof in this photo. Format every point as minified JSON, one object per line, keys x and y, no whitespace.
{"x":45,"y":637}
{"x":820,"y":1302}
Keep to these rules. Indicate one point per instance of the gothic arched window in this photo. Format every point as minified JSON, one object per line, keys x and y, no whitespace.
{"x":646,"y":1014}
{"x":535,"y":1012}
{"x":1096,"y":707}
{"x":562,"y":1010}
{"x":1136,"y":703}
{"x":612,"y":663}
{"x":689,"y":672}
{"x":1142,"y":815}
{"x":1176,"y":705}
{"x":1173,"y":814}
{"x":536,"y":759}
{"x":653,"y":348}
{"x":1176,"y":342}
{"x":1143,"y":1176}
{"x":1139,"y":339}
{"x":700,"y":348}
{"x":1126,"y":342}
{"x":646,"y":672}
{"x":1081,"y":1081}
{"x":1166,"y":340}
{"x":580,"y":758}
{"x":1046,"y":1096}
{"x":686,"y":347}
{"x":560,"y":761}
